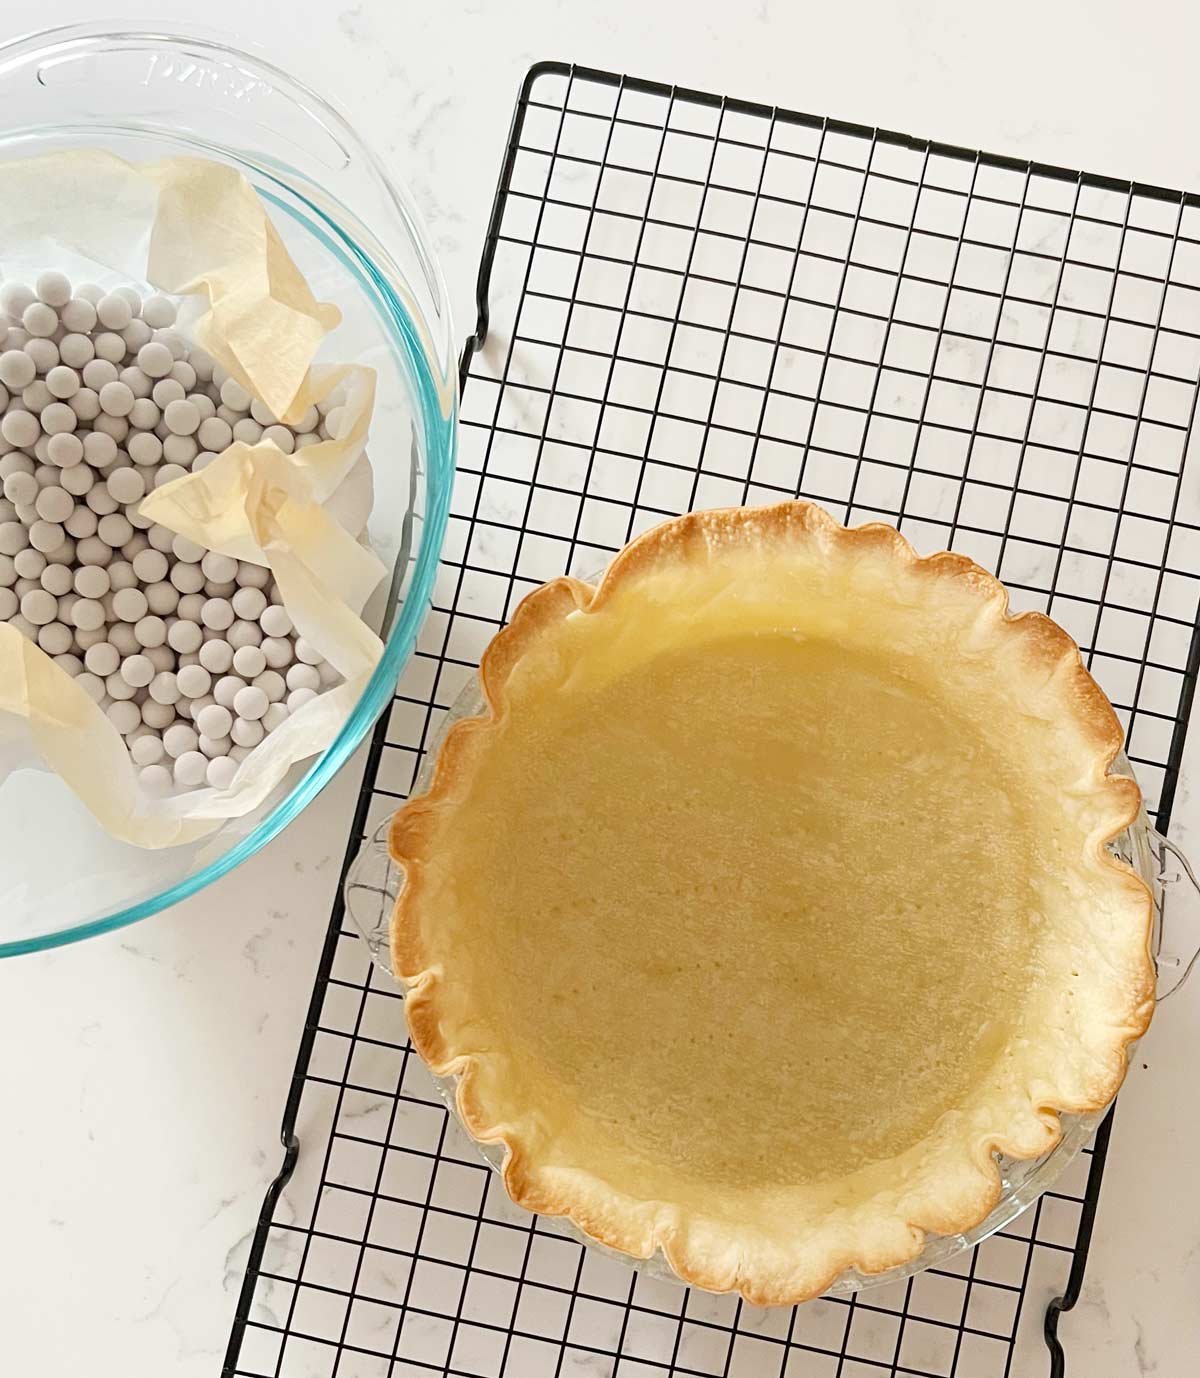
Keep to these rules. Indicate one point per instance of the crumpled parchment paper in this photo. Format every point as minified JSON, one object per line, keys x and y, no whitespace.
{"x":197,"y":229}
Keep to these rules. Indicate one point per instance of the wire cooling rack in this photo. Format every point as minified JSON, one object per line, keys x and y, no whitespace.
{"x":697,"y":301}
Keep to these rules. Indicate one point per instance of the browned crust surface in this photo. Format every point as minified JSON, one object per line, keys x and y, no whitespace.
{"x":1050,"y":659}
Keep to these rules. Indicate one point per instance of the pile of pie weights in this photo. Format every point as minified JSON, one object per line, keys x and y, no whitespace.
{"x":189,"y":653}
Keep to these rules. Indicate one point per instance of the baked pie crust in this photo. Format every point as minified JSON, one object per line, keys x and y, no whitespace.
{"x":770,"y":899}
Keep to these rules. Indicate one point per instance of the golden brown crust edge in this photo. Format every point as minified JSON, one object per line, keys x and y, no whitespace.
{"x":639,"y":1229}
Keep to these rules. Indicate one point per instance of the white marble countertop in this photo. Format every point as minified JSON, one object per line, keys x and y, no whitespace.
{"x":144,"y":1073}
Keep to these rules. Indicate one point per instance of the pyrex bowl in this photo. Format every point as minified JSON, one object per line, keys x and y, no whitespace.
{"x":374,"y":882}
{"x":358,"y":239}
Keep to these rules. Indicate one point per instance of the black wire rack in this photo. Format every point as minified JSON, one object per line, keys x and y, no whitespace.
{"x":687,"y":301}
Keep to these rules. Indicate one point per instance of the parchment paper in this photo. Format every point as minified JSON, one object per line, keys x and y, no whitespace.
{"x":197,"y":229}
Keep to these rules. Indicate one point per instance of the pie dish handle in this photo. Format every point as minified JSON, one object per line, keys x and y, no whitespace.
{"x":1176,"y":943}
{"x":369,"y":892}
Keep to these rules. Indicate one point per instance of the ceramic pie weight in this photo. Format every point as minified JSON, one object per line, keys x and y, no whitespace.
{"x":697,"y":302}
{"x":121,"y":602}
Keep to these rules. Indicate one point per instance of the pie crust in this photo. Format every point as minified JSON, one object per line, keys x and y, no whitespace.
{"x":770,"y":899}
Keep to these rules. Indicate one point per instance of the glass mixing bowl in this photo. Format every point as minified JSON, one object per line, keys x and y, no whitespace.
{"x":359,"y":240}
{"x":374,"y":882}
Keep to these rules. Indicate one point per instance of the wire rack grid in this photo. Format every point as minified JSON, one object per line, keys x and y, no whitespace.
{"x":696,"y":301}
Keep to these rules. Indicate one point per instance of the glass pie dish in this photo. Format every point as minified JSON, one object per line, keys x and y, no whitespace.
{"x":373,"y":884}
{"x":358,"y":239}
